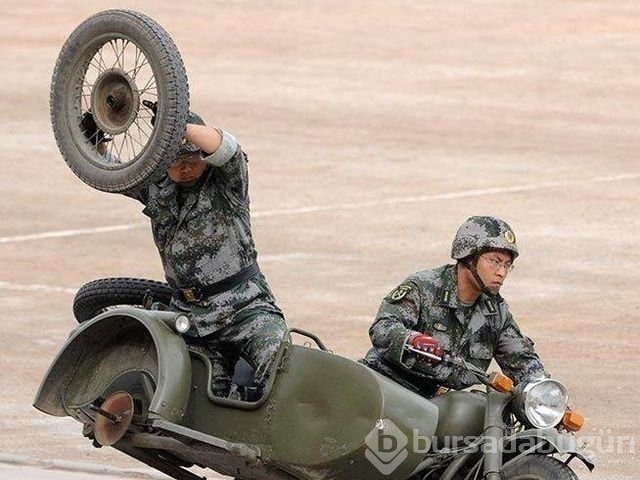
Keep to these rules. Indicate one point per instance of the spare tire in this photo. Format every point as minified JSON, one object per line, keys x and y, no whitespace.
{"x":96,"y":296}
{"x":110,"y":64}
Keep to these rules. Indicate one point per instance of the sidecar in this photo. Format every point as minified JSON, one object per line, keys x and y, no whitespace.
{"x":130,"y":378}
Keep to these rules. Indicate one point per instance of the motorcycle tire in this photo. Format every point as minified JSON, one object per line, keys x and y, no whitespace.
{"x":110,"y":64}
{"x":538,"y":467}
{"x":97,"y":296}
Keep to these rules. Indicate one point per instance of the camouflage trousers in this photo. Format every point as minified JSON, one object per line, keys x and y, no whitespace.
{"x":255,"y":336}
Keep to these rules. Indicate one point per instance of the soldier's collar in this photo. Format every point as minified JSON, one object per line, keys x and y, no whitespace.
{"x":490,"y":303}
{"x":167,"y":190}
{"x":167,"y":186}
{"x":448,"y":296}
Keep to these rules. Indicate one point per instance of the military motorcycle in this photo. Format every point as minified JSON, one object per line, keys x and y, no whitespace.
{"x":130,"y":379}
{"x":128,"y":376}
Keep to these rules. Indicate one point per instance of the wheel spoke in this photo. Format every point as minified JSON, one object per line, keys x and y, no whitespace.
{"x":109,"y":153}
{"x":137,"y":67}
{"x":118,"y":150}
{"x":114,"y":47}
{"x":97,"y":64}
{"x":125,"y":43}
{"x":151,"y":84}
{"x":86,"y":100}
{"x":140,"y":135}
{"x":126,"y":143}
{"x":102,"y":66}
{"x":147,"y":123}
{"x":134,"y":144}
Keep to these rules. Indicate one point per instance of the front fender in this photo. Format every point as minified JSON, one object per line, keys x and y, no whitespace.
{"x":562,"y":443}
{"x":121,"y":341}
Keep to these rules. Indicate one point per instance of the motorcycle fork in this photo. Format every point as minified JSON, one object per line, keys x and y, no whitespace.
{"x":494,"y":431}
{"x":490,"y":444}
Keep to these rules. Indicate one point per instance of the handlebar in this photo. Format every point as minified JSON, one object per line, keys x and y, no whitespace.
{"x":459,"y":362}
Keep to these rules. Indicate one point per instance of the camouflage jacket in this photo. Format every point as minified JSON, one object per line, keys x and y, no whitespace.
{"x":203,"y":235}
{"x":428,"y":302}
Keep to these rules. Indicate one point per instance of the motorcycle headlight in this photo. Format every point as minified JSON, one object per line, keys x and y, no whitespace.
{"x":182,"y":324}
{"x":543,"y":402}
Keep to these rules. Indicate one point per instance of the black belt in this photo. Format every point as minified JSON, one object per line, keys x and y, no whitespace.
{"x":200,"y":292}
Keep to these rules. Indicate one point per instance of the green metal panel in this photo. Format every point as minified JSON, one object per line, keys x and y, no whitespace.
{"x":326,"y":406}
{"x":118,"y":342}
{"x":562,"y":443}
{"x":461,"y":414}
{"x":316,"y":418}
{"x":312,"y":423}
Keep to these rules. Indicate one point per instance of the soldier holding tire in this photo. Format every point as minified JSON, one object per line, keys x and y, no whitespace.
{"x":200,"y":218}
{"x":201,"y":226}
{"x":120,"y":115}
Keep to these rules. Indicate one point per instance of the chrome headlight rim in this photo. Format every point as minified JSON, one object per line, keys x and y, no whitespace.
{"x":544,"y":402}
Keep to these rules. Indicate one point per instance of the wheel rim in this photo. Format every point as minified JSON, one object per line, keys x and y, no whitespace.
{"x":113,"y":77}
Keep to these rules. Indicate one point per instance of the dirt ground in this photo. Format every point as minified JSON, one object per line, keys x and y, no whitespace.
{"x":374,"y":128}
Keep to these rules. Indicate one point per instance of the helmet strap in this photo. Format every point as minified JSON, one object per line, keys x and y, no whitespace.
{"x":471,"y":265}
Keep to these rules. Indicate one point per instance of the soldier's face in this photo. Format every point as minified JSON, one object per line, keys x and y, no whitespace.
{"x":187,"y":169}
{"x":493,"y":268}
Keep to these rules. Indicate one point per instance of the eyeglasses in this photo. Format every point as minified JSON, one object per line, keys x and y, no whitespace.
{"x":496,"y":264}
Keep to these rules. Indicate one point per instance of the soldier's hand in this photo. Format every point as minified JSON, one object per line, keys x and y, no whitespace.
{"x":427,"y":344}
{"x":153,"y":106}
{"x":91,"y":130}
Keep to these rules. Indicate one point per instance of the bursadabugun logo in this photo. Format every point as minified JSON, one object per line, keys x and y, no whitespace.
{"x":386,"y":446}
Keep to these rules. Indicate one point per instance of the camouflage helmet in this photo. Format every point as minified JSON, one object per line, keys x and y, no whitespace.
{"x":187,"y":148}
{"x":478,"y":234}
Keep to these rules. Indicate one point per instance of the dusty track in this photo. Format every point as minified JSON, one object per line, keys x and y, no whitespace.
{"x":374,"y":129}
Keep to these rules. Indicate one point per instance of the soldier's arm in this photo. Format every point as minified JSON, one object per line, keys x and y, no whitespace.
{"x":209,"y":139}
{"x":222,"y":152}
{"x":142,"y":195}
{"x":398,"y":315}
{"x":515,"y":353}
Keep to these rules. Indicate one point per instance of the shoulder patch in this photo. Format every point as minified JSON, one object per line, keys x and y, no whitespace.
{"x":399,"y":293}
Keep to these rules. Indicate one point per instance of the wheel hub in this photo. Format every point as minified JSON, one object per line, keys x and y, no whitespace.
{"x":113,"y":418}
{"x":115,"y":101}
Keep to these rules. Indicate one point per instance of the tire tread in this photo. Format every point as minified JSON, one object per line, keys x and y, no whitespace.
{"x":95,"y":296}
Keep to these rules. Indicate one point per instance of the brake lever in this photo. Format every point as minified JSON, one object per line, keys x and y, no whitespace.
{"x":425,"y":354}
{"x":455,"y":361}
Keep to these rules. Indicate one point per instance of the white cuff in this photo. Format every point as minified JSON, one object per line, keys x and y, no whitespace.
{"x":225,"y":151}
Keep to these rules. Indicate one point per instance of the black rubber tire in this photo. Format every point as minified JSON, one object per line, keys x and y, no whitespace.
{"x":96,"y":296}
{"x":161,"y":144}
{"x":539,"y":467}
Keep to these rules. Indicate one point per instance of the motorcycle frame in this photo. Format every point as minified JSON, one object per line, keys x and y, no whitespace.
{"x":495,"y":431}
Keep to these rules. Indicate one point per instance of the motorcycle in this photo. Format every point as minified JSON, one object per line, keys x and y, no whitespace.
{"x":130,"y":378}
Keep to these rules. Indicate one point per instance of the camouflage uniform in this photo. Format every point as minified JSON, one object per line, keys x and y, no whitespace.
{"x":427,"y":302}
{"x":203,"y":235}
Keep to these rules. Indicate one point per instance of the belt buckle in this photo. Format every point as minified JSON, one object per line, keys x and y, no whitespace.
{"x":191,"y":294}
